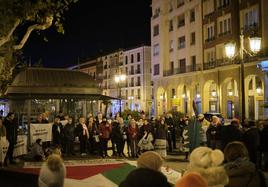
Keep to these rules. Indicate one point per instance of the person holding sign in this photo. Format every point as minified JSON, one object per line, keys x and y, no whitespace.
{"x":12,"y":133}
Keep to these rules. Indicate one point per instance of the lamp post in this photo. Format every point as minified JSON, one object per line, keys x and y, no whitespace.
{"x":255,"y":45}
{"x":118,"y":79}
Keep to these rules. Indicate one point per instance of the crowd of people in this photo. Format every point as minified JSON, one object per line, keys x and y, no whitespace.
{"x":219,"y":155}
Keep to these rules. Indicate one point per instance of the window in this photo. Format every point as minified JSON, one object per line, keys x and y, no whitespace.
{"x":126,"y":94}
{"x":126,"y":69}
{"x":138,"y":57}
{"x":171,"y":45}
{"x":170,"y":6}
{"x":138,"y":69}
{"x":156,"y":50}
{"x":192,"y":38}
{"x":173,"y":92}
{"x":156,"y":12}
{"x":132,"y":81}
{"x":156,"y":69}
{"x":223,"y":3}
{"x":224,"y":26}
{"x":180,"y":3}
{"x":170,"y":25}
{"x":132,"y":58}
{"x":210,"y":33}
{"x":139,"y":93}
{"x":132,"y":92}
{"x":138,"y":81}
{"x":181,"y":21}
{"x":172,"y":66}
{"x":182,"y":63}
{"x":132,"y":70}
{"x":193,"y":61}
{"x":126,"y":59}
{"x":181,"y":42}
{"x":156,"y":30}
{"x":192,"y":15}
{"x":251,"y":18}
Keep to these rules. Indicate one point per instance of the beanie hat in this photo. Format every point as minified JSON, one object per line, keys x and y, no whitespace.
{"x":144,"y":177}
{"x":52,"y":172}
{"x":207,"y":163}
{"x":205,"y":157}
{"x":151,"y":160}
{"x":192,"y":179}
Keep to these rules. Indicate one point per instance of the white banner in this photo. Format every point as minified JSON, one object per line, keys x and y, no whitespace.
{"x":42,"y":131}
{"x":3,"y":148}
{"x":21,"y":147}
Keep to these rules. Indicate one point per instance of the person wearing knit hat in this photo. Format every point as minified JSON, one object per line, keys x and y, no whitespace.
{"x":192,"y":179}
{"x":151,"y":160}
{"x":52,"y":172}
{"x":207,"y":163}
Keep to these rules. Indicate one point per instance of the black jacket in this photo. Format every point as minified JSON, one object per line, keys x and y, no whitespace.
{"x":229,"y":134}
{"x":57,"y":136}
{"x":69,"y":131}
{"x":11,"y":130}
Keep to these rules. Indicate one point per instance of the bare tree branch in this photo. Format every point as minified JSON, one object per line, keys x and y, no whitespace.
{"x":44,"y":26}
{"x":6,"y":38}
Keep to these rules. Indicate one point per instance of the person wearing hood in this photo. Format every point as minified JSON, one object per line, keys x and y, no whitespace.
{"x":207,"y":163}
{"x":241,"y":171}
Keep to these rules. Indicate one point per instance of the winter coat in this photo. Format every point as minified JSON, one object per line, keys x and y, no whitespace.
{"x":242,"y":173}
{"x":161,"y":131}
{"x":214,"y":132}
{"x":105,"y":130}
{"x":133,"y":133}
{"x":263,"y":139}
{"x":37,"y":150}
{"x":117,"y":131}
{"x":229,"y":134}
{"x":11,"y":130}
{"x":69,"y":132}
{"x":57,"y":134}
{"x":251,"y":139}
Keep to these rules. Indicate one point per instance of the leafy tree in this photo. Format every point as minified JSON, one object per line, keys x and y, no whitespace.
{"x":18,"y":19}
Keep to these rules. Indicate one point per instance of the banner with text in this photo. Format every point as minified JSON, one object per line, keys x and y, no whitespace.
{"x":42,"y":131}
{"x":3,"y":148}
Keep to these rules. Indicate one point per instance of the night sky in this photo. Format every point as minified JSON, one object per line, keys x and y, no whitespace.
{"x":92,"y":28}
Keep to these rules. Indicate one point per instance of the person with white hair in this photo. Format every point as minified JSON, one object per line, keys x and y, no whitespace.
{"x":208,"y":163}
{"x":52,"y":172}
{"x":214,"y":133}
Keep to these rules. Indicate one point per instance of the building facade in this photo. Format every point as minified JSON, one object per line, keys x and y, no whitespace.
{"x":136,"y":90}
{"x":189,"y":62}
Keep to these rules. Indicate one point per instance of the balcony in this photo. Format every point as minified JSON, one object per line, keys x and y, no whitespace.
{"x":224,"y":33}
{"x":219,"y":63}
{"x":186,"y":69}
{"x":211,"y":39}
{"x":208,"y":15}
{"x":223,"y":6}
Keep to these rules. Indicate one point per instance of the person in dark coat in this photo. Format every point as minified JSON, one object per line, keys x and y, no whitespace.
{"x":69,"y":134}
{"x":57,"y":133}
{"x":92,"y":130}
{"x":161,"y":137}
{"x":264,"y":145}
{"x":214,"y":133}
{"x":171,"y":131}
{"x":83,"y":134}
{"x":117,"y":136}
{"x":240,"y":170}
{"x":251,"y":139}
{"x":231,"y":133}
{"x":105,"y":130}
{"x":11,"y":135}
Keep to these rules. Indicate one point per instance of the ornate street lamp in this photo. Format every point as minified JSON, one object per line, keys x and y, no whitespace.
{"x":255,"y":46}
{"x":213,"y":93}
{"x":118,"y":79}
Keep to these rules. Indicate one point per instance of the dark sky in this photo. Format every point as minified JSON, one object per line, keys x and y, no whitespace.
{"x":91,"y":29}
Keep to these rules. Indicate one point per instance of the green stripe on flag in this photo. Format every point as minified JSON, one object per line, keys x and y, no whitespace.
{"x":119,"y":174}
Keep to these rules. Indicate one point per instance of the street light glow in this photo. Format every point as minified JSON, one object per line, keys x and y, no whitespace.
{"x":255,"y":44}
{"x":213,"y":93}
{"x":230,"y":50}
{"x":258,"y":90}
